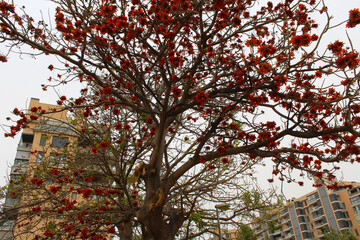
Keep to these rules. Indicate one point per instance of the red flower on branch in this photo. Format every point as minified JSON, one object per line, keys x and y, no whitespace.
{"x":201,"y":97}
{"x":104,"y":144}
{"x":350,"y":60}
{"x":354,"y":18}
{"x":53,"y":189}
{"x":176,"y":92}
{"x":336,"y":47}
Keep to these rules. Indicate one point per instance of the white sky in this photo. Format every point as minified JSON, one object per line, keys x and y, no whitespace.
{"x":21,"y":79}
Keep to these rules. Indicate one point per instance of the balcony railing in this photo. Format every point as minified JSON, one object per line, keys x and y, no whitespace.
{"x":25,"y":145}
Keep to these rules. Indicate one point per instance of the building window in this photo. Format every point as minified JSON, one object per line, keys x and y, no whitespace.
{"x":56,"y":159}
{"x":43,"y":138}
{"x":355,"y":200}
{"x":313,"y":197}
{"x":59,"y":142}
{"x":39,"y":157}
{"x":74,"y":195}
{"x":357,"y":209}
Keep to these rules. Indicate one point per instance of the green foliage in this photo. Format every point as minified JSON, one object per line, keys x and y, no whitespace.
{"x":272,"y":225}
{"x":51,"y":226}
{"x":245,"y":233}
{"x":196,"y":217}
{"x":252,"y":199}
{"x":335,"y":235}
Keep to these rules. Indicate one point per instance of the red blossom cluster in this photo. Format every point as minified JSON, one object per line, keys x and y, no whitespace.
{"x":104,"y":144}
{"x":165,"y":74}
{"x":350,"y":60}
{"x":53,"y":189}
{"x":354,"y":18}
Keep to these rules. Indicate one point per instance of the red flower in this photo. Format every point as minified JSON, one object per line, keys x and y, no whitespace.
{"x":201,"y":97}
{"x":49,"y":233}
{"x":221,"y":149}
{"x":354,"y":18}
{"x":94,"y":150}
{"x":54,"y":172}
{"x":86,"y":192}
{"x":350,"y":60}
{"x":104,"y":144}
{"x":99,"y":191}
{"x":149,"y":121}
{"x":53,"y":189}
{"x":174,"y":7}
{"x":336,"y":47}
{"x":116,"y":111}
{"x":68,"y":228}
{"x":127,"y":127}
{"x":225,"y":160}
{"x":60,"y":210}
{"x":3,"y":58}
{"x":133,"y":99}
{"x":267,"y":50}
{"x":171,"y":130}
{"x":118,"y":126}
{"x":36,"y":209}
{"x":51,"y":67}
{"x":301,"y":40}
{"x":234,"y":126}
{"x":236,"y":21}
{"x":176,"y":92}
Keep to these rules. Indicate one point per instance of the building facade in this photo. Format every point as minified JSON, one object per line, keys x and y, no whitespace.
{"x":311,"y":215}
{"x":45,"y":138}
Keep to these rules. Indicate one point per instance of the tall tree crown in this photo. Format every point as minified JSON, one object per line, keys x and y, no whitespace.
{"x":183,"y":97}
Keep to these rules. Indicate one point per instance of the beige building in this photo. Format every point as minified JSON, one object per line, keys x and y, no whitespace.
{"x":309,"y":216}
{"x":43,"y":142}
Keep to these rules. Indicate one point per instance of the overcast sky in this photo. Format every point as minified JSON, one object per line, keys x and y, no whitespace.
{"x":21,"y":79}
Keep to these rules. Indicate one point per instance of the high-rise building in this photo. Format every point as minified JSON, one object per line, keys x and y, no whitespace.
{"x":310,"y":216}
{"x":43,"y":139}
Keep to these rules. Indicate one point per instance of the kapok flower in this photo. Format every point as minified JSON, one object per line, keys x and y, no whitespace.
{"x":354,"y":18}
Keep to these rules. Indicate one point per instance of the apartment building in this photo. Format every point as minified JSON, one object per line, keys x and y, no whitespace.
{"x":44,"y":139}
{"x":309,"y":216}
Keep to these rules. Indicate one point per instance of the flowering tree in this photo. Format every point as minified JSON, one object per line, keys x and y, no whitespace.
{"x":178,"y":100}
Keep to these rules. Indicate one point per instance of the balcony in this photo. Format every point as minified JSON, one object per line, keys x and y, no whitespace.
{"x":9,"y":202}
{"x":338,"y":206}
{"x":312,"y":198}
{"x":303,"y":220}
{"x":287,"y":235}
{"x":287,"y":228}
{"x":24,"y":146}
{"x":308,"y":235}
{"x":285,"y":220}
{"x":320,"y":223}
{"x":300,"y":212}
{"x":299,"y":204}
{"x":277,"y":231}
{"x":343,"y":224}
{"x":354,"y":191}
{"x":283,"y":212}
{"x":317,"y":216}
{"x":18,"y":170}
{"x":316,"y":207}
{"x":355,"y":200}
{"x":334,"y":198}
